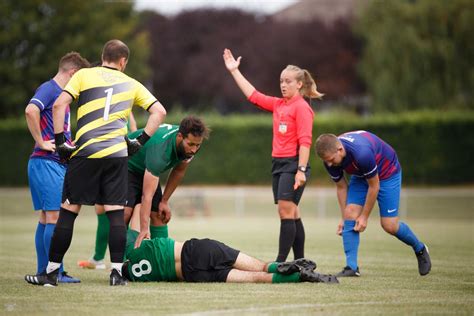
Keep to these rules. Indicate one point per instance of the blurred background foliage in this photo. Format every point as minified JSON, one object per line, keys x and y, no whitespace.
{"x":35,"y":34}
{"x":418,"y":54}
{"x":392,"y":55}
{"x":399,"y":68}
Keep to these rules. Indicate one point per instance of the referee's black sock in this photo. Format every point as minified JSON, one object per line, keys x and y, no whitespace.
{"x":62,"y":235}
{"x":298,"y":244}
{"x":117,"y":235}
{"x":287,"y":238}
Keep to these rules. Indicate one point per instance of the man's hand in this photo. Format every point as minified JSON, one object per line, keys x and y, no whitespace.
{"x":340,"y":227}
{"x":63,"y":149}
{"x":142,"y":235}
{"x":164,"y":212}
{"x":135,"y":144}
{"x":361,"y":223}
{"x":48,"y":145}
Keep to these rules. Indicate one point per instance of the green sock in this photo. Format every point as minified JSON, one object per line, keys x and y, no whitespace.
{"x":281,"y":278}
{"x":159,"y":231}
{"x":101,"y":237}
{"x":272,"y":267}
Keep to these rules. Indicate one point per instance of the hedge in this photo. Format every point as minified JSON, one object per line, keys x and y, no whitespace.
{"x":434,"y":148}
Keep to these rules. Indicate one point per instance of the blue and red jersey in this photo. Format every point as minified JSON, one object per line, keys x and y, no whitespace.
{"x":366,"y":156}
{"x":44,"y":99}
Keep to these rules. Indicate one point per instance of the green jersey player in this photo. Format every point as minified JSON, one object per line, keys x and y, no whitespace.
{"x":171,"y":147}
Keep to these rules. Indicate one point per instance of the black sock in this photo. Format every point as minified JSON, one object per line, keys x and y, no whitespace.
{"x":287,"y":237}
{"x":62,"y":235}
{"x":117,"y":235}
{"x":298,"y":244}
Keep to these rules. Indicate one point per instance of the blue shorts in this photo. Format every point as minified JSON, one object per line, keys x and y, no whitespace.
{"x":46,"y":177}
{"x":388,"y":197}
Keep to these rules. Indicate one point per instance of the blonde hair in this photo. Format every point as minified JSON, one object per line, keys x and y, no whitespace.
{"x":308,"y":88}
{"x":326,"y":144}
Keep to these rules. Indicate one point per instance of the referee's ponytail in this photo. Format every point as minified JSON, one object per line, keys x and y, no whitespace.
{"x":308,"y":89}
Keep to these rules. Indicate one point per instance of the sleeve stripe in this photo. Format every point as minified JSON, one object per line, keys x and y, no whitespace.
{"x":151,"y":105}
{"x":375,"y":168}
{"x":38,"y":100}
{"x":69,"y":94}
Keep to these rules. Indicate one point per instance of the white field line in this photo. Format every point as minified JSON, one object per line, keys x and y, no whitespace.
{"x":293,"y":307}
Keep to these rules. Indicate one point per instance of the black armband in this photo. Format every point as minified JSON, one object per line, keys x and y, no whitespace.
{"x":59,"y":139}
{"x":143,"y":138}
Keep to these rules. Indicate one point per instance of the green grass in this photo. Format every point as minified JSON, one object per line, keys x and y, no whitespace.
{"x":390,"y":283}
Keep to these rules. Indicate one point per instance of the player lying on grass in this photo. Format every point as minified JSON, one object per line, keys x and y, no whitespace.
{"x":207,"y":260}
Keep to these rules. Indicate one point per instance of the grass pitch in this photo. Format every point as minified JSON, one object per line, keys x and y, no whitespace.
{"x":390,"y":283}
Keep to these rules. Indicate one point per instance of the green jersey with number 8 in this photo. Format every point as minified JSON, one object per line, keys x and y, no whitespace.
{"x":152,"y":261}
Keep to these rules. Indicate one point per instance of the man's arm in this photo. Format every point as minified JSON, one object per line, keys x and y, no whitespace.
{"x":59,"y":111}
{"x":372,"y":192}
{"x":174,"y":179}
{"x":341,"y":189}
{"x":150,"y":182}
{"x":32,"y":114}
{"x":157,"y":116}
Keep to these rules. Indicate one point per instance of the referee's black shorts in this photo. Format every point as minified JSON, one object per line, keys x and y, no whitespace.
{"x":96,"y":181}
{"x":283,"y":174}
{"x":135,"y":190}
{"x":207,"y":260}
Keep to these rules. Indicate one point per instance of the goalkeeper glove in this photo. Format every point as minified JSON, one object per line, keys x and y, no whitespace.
{"x":135,"y":144}
{"x":63,"y":149}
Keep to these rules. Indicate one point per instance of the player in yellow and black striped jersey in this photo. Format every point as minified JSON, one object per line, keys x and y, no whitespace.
{"x":105,"y":99}
{"x":97,"y":171}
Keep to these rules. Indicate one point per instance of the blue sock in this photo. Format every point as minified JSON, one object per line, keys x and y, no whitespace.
{"x":48,"y":234}
{"x":408,"y":237}
{"x":41,"y":254}
{"x":350,"y":239}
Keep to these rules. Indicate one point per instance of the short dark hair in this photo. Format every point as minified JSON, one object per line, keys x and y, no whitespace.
{"x":326,"y":143}
{"x":195,"y":126}
{"x":114,"y":50}
{"x":73,"y":60}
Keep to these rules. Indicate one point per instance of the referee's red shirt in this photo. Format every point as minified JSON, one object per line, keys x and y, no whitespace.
{"x":292,"y":122}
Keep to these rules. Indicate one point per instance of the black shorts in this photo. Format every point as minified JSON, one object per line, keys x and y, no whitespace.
{"x":135,"y":190}
{"x":96,"y":181}
{"x":207,"y":260}
{"x":283,"y":172}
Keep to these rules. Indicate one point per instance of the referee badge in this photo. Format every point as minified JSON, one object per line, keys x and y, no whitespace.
{"x":283,"y":127}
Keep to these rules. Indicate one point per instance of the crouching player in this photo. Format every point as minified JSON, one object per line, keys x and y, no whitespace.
{"x":376,"y":175}
{"x":207,"y":260}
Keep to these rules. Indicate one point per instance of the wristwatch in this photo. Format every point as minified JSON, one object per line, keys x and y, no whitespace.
{"x":302,"y":168}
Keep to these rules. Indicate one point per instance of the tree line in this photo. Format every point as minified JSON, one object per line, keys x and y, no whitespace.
{"x":401,"y":54}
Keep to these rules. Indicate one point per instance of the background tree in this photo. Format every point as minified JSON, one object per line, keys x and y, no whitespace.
{"x":418,"y":54}
{"x":35,"y":34}
{"x":187,"y":51}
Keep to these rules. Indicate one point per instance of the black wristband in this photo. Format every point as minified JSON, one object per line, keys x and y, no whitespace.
{"x":143,"y":138}
{"x":59,"y":139}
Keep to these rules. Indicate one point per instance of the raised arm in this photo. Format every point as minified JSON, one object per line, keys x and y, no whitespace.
{"x":233,"y":66}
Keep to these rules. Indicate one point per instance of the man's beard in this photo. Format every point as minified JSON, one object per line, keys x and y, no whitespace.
{"x":182,"y":153}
